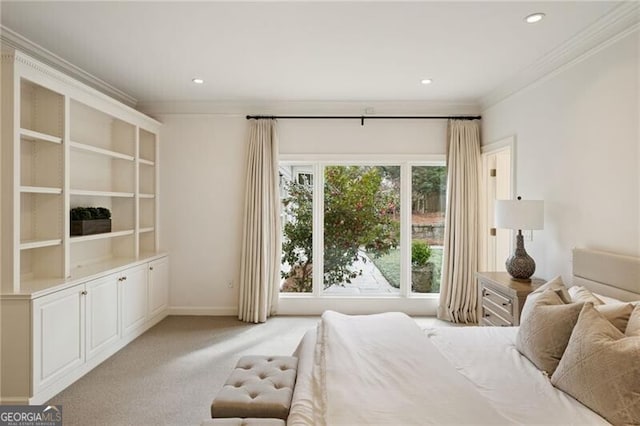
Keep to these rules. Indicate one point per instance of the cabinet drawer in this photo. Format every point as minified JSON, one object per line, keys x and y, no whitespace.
{"x":501,"y":310}
{"x":504,"y":303}
{"x":492,"y":318}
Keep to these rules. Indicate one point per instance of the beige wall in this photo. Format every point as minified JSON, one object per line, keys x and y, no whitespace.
{"x":577,"y":143}
{"x":202,"y":190}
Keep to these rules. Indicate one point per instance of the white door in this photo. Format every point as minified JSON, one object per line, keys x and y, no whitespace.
{"x":58,"y":335}
{"x":497,"y":169}
{"x":158,"y":286}
{"x":133,"y":287}
{"x":103,"y":328}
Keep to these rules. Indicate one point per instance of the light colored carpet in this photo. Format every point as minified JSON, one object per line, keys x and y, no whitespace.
{"x":170,"y":374}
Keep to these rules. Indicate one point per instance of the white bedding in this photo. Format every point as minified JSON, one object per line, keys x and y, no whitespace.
{"x":487,"y":357}
{"x":382,"y":369}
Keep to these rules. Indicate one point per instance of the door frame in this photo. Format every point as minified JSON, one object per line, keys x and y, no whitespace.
{"x":508,"y":142}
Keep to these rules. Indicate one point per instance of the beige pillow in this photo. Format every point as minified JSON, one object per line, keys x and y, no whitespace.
{"x":618,"y":314}
{"x":601,"y":368}
{"x":633,"y":326}
{"x":544,"y":335}
{"x":554,"y":284}
{"x":583,"y":294}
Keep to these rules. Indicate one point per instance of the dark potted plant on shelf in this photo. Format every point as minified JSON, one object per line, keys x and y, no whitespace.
{"x":90,"y":220}
{"x":421,"y":268}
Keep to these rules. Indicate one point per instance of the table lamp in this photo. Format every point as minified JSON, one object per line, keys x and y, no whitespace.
{"x":518,"y":215}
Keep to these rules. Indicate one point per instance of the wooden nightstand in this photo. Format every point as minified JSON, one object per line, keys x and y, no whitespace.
{"x":501,"y":298}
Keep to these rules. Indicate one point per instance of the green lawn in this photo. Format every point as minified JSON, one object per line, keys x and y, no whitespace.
{"x":389,"y":266}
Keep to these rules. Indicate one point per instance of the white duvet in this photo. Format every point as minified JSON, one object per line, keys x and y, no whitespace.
{"x":382,"y":369}
{"x":488,"y":358}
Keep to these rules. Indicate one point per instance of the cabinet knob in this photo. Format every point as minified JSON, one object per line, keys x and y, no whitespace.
{"x":151,"y":268}
{"x":124,"y":278}
{"x":83,"y":292}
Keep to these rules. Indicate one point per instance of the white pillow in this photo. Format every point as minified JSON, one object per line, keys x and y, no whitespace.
{"x":583,"y":294}
{"x":606,"y":299}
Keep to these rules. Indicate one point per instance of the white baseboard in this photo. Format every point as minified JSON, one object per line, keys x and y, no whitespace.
{"x":204,"y":310}
{"x":14,"y":401}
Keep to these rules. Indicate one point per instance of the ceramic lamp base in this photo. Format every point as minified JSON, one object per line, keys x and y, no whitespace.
{"x":520,"y":265}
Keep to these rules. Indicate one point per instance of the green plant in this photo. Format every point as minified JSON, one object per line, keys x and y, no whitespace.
{"x":103,"y":213}
{"x":90,"y":213}
{"x":420,"y":253}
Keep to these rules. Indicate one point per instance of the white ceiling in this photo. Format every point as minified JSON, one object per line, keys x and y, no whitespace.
{"x":301,"y":51}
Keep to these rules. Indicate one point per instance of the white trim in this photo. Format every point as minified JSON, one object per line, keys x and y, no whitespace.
{"x":508,"y":142}
{"x":15,"y":40}
{"x":242,"y":108}
{"x":365,"y":159}
{"x":615,"y":25}
{"x":204,"y":310}
{"x":298,"y":303}
{"x":499,"y":145}
{"x":15,"y":401}
{"x":414,"y":305}
{"x":57,"y":81}
{"x":405,"y":230}
{"x":317,"y":200}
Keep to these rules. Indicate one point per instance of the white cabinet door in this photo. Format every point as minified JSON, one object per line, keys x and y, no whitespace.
{"x":158,"y":286}
{"x":133,"y":287}
{"x":58,"y":335}
{"x":103,"y":325}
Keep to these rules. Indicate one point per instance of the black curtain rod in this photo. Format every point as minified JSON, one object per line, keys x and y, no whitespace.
{"x":364,"y":117}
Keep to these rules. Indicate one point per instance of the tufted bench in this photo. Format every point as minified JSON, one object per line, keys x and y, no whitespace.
{"x":259,"y":386}
{"x":235,"y":421}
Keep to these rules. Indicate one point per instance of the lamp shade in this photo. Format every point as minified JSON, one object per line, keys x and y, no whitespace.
{"x":519,"y":214}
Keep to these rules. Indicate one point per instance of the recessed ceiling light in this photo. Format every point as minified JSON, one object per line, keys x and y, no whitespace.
{"x":198,"y":80}
{"x":534,"y":17}
{"x":426,"y":81}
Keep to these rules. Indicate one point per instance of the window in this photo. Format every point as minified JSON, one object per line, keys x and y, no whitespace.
{"x":428,"y":203}
{"x":296,"y":215}
{"x":378,"y":228}
{"x":361,"y":229}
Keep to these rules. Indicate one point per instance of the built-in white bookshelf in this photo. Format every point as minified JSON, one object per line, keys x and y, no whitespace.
{"x":147,"y":191}
{"x":65,"y":145}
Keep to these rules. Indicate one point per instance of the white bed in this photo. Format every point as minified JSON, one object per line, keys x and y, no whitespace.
{"x":456,"y":375}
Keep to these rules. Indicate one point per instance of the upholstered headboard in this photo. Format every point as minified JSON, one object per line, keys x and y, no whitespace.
{"x":609,"y":274}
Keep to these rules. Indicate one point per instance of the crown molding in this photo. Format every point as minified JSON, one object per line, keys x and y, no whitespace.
{"x":242,"y":108}
{"x":617,"y":24}
{"x":14,"y":40}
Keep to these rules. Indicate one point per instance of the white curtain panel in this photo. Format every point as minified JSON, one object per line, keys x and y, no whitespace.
{"x":260,"y":261}
{"x":458,"y":291}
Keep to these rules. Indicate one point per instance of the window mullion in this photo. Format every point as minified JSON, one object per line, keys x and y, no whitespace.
{"x":318,"y":229}
{"x":405,"y":229}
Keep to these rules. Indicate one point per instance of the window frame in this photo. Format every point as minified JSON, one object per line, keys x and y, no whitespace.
{"x":318,"y":162}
